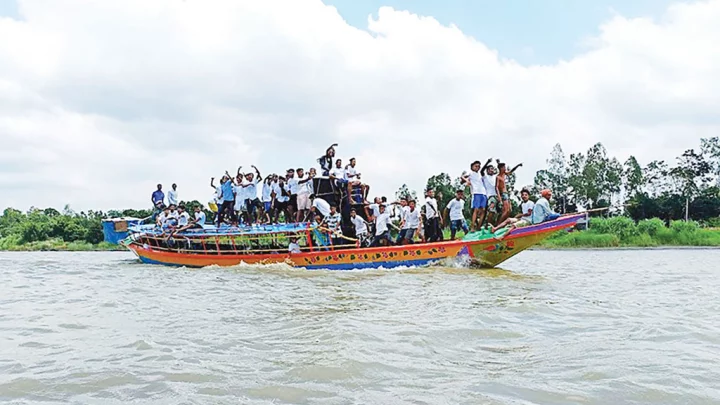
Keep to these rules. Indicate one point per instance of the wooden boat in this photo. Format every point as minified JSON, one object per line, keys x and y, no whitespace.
{"x":264,"y":245}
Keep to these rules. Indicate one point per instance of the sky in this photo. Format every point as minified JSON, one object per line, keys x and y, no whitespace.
{"x":100,"y":101}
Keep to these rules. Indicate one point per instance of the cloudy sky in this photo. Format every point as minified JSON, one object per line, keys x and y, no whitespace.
{"x":100,"y":100}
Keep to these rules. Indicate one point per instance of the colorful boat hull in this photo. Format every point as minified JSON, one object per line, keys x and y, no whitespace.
{"x":488,"y":252}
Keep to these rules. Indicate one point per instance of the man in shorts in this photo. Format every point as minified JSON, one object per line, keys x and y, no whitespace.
{"x":479,"y":195}
{"x":305,"y":187}
{"x":455,"y":209}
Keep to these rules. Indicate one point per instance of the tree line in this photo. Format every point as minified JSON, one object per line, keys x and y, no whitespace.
{"x":658,"y":189}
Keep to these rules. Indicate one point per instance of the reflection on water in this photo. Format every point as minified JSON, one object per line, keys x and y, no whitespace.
{"x":587,"y":327}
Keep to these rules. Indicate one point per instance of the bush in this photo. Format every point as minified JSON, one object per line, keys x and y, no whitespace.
{"x":622,"y":227}
{"x":684,"y":227}
{"x":650,"y":226}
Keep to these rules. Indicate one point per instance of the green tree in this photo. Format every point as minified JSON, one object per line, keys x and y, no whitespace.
{"x":632,"y":176}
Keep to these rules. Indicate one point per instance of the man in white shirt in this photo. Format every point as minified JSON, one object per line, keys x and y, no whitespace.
{"x":240,"y":197}
{"x":479,"y":195}
{"x":252,"y":203}
{"x":305,"y":187}
{"x":432,"y":217}
{"x":353,"y":179}
{"x":293,"y":247}
{"x":266,"y":197}
{"x":489,"y":179}
{"x":374,"y":209}
{"x":383,"y":222}
{"x":292,"y":188}
{"x":173,"y":195}
{"x":199,"y":218}
{"x":281,"y":199}
{"x":319,"y":206}
{"x":457,"y":219}
{"x":409,"y":224}
{"x":361,"y":230}
{"x":522,"y":219}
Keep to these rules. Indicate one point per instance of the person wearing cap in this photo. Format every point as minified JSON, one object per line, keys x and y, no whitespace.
{"x":541,"y":211}
{"x":455,"y":209}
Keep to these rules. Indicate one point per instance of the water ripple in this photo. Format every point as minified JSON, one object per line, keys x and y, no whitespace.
{"x":590,"y":327}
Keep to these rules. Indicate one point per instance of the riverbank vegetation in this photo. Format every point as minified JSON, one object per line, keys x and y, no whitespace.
{"x":624,"y":232}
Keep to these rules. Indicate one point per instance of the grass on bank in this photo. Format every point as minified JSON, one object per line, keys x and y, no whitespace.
{"x":624,"y":232}
{"x":13,"y":243}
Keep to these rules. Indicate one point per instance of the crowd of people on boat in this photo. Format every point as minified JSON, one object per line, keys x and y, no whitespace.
{"x":249,"y":198}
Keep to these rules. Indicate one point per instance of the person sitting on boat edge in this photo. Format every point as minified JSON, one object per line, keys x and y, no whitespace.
{"x":200,"y":218}
{"x":338,"y":174}
{"x":542,"y":211}
{"x":293,"y":247}
{"x":455,"y":209}
{"x":524,"y":218}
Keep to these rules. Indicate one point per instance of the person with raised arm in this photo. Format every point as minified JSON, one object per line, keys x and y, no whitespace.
{"x":501,"y":189}
{"x":326,"y":161}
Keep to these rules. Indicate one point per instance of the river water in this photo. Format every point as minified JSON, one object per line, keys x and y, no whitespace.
{"x":576,"y":327}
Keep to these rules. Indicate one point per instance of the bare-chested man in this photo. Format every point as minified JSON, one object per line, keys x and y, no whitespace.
{"x":501,"y":189}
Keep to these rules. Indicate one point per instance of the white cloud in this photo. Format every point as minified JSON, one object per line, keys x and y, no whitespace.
{"x":101,"y":100}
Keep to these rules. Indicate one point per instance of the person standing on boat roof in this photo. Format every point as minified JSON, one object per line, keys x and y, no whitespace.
{"x":326,"y":161}
{"x":158,"y":201}
{"x":228,"y":196}
{"x":293,"y":187}
{"x":251,"y":201}
{"x":457,"y":219}
{"x":266,"y":197}
{"x":281,"y":199}
{"x":173,"y":195}
{"x":305,"y":187}
{"x":542,"y":211}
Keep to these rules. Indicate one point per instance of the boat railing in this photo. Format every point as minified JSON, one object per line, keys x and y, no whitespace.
{"x":240,"y":244}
